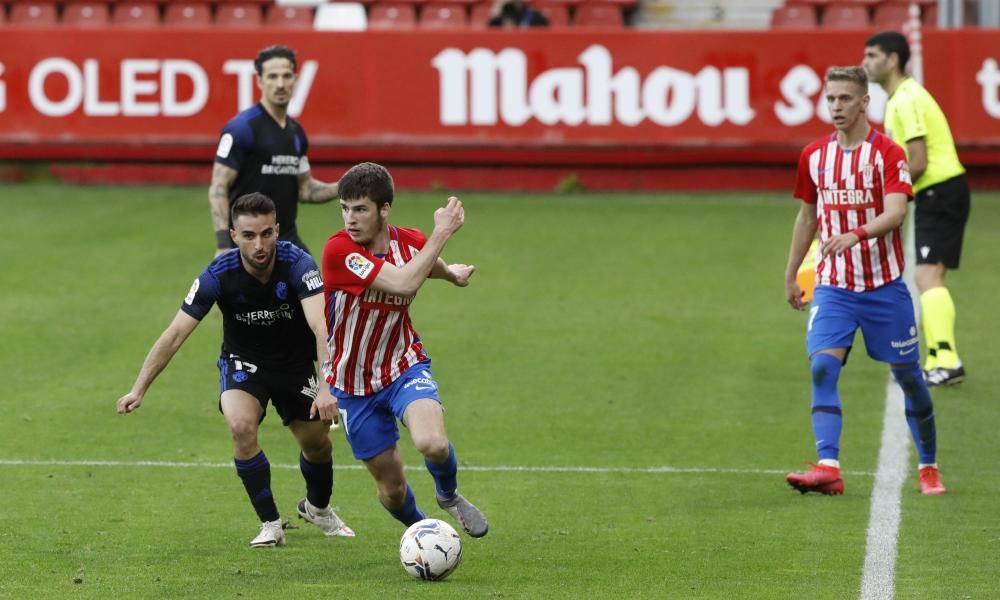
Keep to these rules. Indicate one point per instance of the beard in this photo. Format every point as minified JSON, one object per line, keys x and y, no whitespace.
{"x":257,"y":261}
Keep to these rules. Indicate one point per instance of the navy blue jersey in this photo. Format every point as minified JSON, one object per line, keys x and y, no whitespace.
{"x":268,"y":159}
{"x":261,"y":323}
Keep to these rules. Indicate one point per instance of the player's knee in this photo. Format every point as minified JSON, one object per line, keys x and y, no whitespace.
{"x":822,"y":372}
{"x":315,"y":442}
{"x":908,"y":377}
{"x":433,"y":447}
{"x":244,"y":431}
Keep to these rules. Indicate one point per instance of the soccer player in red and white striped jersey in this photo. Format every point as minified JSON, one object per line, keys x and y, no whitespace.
{"x":848,"y":188}
{"x":854,"y":185}
{"x":378,"y":371}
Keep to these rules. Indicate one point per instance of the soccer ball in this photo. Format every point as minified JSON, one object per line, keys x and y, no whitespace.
{"x":430,"y":550}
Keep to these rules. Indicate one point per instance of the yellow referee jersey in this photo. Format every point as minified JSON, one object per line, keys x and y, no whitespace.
{"x":912,"y":113}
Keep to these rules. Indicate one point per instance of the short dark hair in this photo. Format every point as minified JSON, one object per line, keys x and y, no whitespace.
{"x":892,"y":42}
{"x":367,"y":180}
{"x":251,"y":204}
{"x":855,"y":75}
{"x":276,"y":51}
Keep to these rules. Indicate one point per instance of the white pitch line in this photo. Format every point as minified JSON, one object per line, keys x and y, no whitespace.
{"x":878,"y":579}
{"x":475,"y":468}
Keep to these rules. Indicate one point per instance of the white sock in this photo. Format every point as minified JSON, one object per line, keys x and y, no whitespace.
{"x":830,"y":462}
{"x":921,"y":466}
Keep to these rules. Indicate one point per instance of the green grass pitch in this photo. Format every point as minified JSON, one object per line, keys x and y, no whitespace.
{"x":638,"y":345}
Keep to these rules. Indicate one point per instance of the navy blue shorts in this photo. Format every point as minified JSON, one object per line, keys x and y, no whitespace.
{"x":884,"y":315}
{"x":370,"y":421}
{"x":290,"y":390}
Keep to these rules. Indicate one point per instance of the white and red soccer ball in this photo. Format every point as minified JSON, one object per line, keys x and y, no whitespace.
{"x":430,"y":550}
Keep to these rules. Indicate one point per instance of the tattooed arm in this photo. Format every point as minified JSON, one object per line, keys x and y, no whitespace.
{"x":315,"y":191}
{"x":218,"y":199}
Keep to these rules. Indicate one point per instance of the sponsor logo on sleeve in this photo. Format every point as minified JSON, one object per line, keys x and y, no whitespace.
{"x":189,"y":299}
{"x":225,"y":145}
{"x":359,"y":265}
{"x":312,"y":280}
{"x":303,"y":164}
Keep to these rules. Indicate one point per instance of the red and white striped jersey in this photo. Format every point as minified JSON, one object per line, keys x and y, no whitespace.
{"x":848,"y":188}
{"x":371,"y":340}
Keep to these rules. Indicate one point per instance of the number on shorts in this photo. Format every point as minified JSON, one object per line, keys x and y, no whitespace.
{"x":343,"y":419}
{"x":812,"y":316}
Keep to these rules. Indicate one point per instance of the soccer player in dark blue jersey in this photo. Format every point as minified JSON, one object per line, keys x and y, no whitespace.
{"x":271,"y":297}
{"x":263,"y":149}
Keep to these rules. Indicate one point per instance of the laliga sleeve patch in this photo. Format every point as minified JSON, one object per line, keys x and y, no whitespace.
{"x":359,"y":265}
{"x":189,"y":299}
{"x":225,"y":145}
{"x":303,"y":165}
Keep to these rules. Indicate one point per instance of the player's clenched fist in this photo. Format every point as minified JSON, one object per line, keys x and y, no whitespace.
{"x":128,"y":403}
{"x":450,"y":217}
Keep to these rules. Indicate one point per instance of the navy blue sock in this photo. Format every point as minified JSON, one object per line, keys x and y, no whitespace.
{"x":827,"y":418}
{"x":409,"y":513}
{"x":256,"y":476}
{"x":319,"y":481}
{"x":919,"y":411}
{"x":445,"y":474}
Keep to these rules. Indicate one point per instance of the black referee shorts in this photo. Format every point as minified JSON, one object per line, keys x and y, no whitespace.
{"x":290,"y":390}
{"x":939,"y":222}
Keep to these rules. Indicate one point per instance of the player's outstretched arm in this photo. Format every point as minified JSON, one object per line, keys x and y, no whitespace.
{"x":457,"y":274}
{"x":406,"y":280}
{"x":218,"y":199}
{"x":314,"y":191}
{"x":159,"y":356}
{"x":803,"y":232}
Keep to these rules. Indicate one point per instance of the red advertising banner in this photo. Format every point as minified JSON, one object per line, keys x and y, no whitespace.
{"x":114,"y":93}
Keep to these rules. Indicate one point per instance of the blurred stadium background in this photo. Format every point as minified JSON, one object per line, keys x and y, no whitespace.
{"x":624,"y":382}
{"x":615,"y":94}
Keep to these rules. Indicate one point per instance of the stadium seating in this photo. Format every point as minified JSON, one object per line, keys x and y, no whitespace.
{"x":135,"y":14}
{"x":594,"y":14}
{"x":187,"y":14}
{"x":795,"y":16}
{"x":891,"y":16}
{"x":392,"y":15}
{"x":340,"y":16}
{"x":33,"y":14}
{"x":845,"y":16}
{"x":556,"y":12}
{"x":335,"y":15}
{"x":238,"y":15}
{"x":290,"y":17}
{"x":930,"y":16}
{"x":86,"y":14}
{"x":443,"y":15}
{"x":479,"y":15}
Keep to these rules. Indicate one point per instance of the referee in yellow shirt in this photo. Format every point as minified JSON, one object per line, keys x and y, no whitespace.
{"x":915,"y":121}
